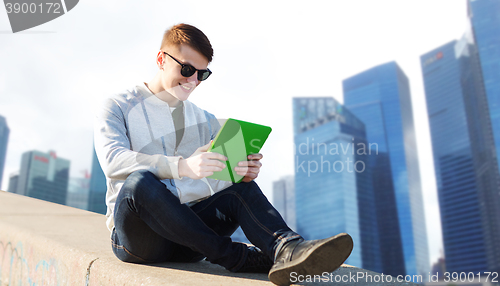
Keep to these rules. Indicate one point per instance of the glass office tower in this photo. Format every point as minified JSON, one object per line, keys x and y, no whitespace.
{"x":13,"y":179}
{"x":484,"y":16}
{"x":4,"y":139}
{"x":380,"y":98}
{"x":43,"y":176}
{"x":464,"y":156}
{"x":97,"y":187}
{"x":333,"y":193}
{"x":78,"y":193}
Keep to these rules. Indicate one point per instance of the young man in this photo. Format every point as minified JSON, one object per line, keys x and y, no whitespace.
{"x":151,"y":143}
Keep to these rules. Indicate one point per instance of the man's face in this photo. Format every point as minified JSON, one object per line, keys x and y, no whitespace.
{"x":173,"y":82}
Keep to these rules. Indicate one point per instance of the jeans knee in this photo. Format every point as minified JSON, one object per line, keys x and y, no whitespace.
{"x":248,"y":192}
{"x":140,"y":183}
{"x":141,"y":176}
{"x":125,"y":256}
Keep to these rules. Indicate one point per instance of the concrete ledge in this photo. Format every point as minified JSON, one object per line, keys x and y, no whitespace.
{"x":43,"y":243}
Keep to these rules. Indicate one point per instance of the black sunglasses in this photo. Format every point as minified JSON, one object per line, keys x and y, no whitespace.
{"x":189,"y":70}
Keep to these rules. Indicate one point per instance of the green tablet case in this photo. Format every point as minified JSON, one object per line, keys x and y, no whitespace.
{"x":236,"y":140}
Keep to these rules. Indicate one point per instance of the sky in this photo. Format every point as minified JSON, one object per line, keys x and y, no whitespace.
{"x":52,"y":77}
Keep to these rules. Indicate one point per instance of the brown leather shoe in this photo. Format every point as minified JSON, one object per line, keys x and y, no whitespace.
{"x":310,"y":257}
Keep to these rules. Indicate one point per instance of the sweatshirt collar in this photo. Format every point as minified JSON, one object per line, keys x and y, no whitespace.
{"x":151,"y":98}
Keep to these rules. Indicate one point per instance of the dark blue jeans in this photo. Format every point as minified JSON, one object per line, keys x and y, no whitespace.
{"x":151,"y":225}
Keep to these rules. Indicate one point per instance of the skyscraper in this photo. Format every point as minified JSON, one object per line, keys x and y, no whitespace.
{"x":333,"y":193}
{"x":380,"y":98}
{"x":43,"y":176}
{"x":284,"y":199}
{"x":464,"y":156}
{"x":4,"y":139}
{"x":78,"y":193}
{"x":13,"y":179}
{"x":97,"y":188}
{"x":484,"y":17}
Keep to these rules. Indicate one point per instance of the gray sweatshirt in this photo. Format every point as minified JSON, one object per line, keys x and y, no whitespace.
{"x":134,"y":130}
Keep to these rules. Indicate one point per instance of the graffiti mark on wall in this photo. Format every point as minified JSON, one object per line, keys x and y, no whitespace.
{"x":19,"y":266}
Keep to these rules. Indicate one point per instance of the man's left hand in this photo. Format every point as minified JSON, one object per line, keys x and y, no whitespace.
{"x":249,"y":169}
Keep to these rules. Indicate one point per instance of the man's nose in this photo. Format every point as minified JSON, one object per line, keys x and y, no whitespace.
{"x":194,"y":78}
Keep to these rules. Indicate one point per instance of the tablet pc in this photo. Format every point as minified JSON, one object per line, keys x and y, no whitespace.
{"x":236,"y":140}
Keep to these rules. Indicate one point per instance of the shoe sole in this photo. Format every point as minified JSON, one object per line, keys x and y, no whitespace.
{"x":324,"y":257}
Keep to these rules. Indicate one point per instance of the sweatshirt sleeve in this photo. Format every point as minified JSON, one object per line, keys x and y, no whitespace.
{"x":114,"y":152}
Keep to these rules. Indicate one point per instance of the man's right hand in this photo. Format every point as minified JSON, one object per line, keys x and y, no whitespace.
{"x":201,"y":164}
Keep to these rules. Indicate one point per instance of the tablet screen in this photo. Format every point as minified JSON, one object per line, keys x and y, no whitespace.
{"x":236,"y":140}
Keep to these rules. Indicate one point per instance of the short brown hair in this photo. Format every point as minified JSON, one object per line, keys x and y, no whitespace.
{"x":189,"y":35}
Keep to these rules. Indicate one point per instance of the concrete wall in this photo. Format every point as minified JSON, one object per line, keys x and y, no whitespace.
{"x":43,"y":243}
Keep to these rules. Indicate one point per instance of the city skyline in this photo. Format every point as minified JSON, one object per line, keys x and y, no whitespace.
{"x":43,"y":176}
{"x":50,"y":181}
{"x":52,"y":103}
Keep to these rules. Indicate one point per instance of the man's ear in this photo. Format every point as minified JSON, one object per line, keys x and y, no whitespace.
{"x":159,"y":60}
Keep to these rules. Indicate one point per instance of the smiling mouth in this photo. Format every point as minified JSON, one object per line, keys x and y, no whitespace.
{"x":186,"y":87}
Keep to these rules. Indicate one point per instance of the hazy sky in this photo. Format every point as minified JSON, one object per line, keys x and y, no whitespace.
{"x":266,"y":52}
